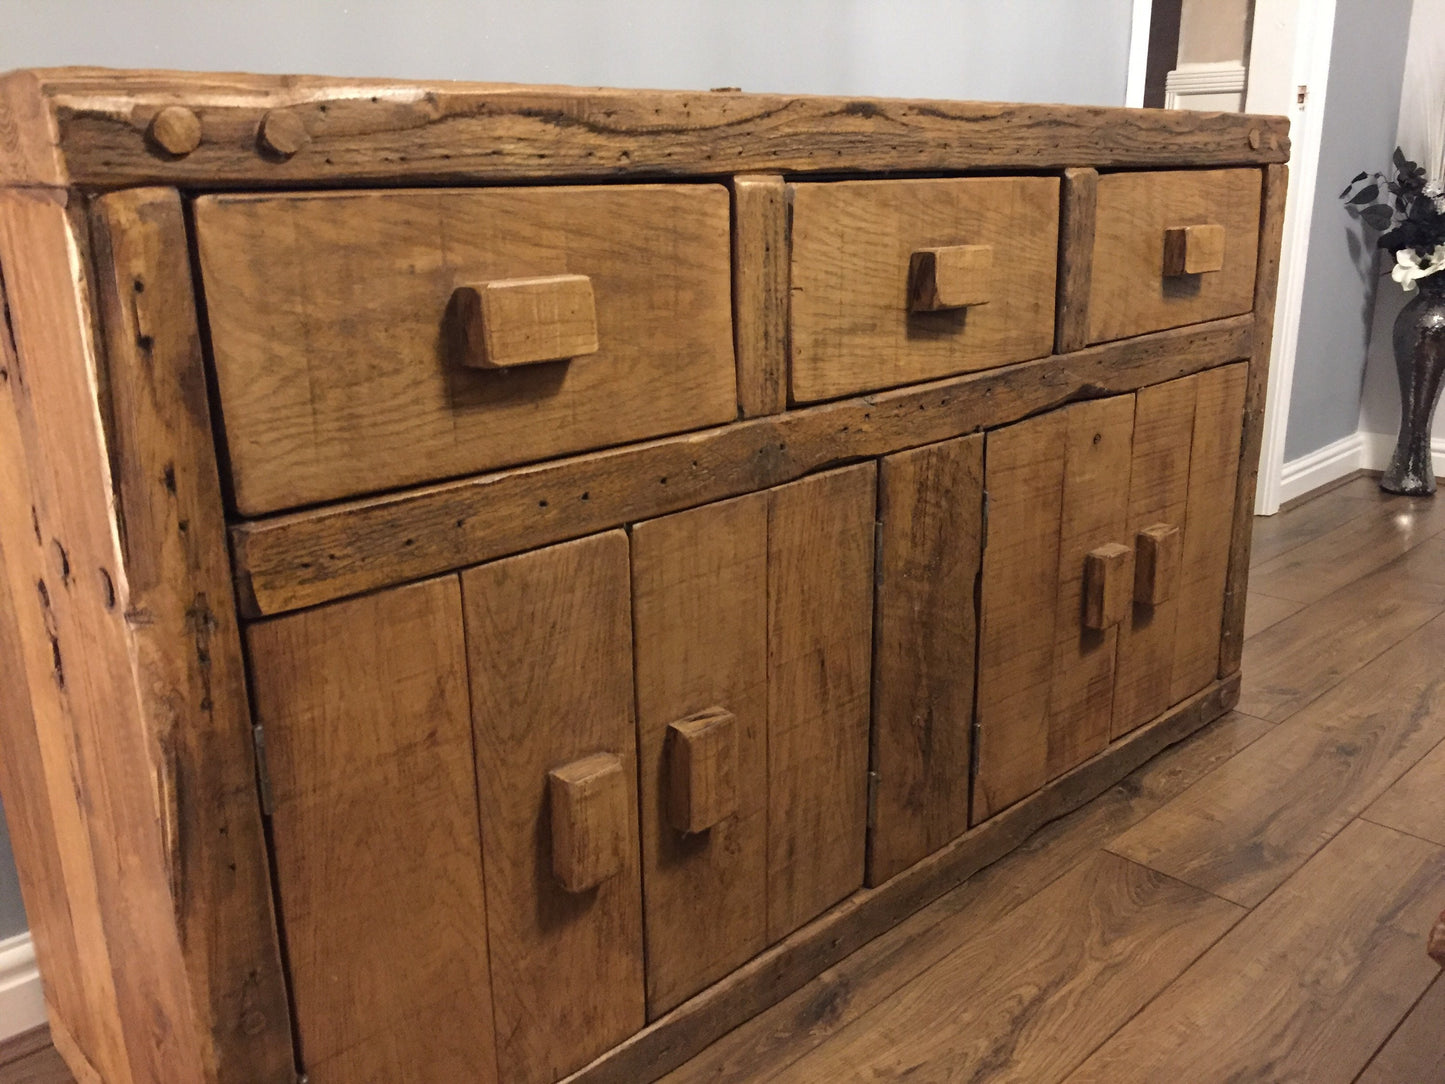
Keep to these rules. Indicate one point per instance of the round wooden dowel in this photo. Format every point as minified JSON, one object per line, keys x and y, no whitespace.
{"x":283,"y":133}
{"x":176,"y":130}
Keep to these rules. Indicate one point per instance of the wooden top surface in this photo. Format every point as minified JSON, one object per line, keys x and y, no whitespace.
{"x":91,"y":127}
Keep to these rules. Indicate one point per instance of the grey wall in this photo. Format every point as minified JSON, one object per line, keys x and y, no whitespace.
{"x":1362,"y":107}
{"x":1025,"y":50}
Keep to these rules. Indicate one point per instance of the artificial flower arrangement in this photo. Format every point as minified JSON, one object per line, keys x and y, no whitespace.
{"x":1409,"y":214}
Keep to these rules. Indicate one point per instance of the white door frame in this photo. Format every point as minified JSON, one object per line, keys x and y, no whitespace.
{"x":1138,"y":53}
{"x":1290,"y":51}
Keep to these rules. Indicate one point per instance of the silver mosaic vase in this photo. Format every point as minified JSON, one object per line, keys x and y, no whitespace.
{"x":1419,"y":342}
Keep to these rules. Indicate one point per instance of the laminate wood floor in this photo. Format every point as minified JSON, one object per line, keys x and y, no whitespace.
{"x":1251,"y":905}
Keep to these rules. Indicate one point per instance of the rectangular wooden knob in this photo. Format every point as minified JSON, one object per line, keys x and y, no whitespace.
{"x":1158,"y":553}
{"x":951,"y":277}
{"x":509,"y":322}
{"x":591,"y":820}
{"x":1108,"y":576}
{"x":702,"y":785}
{"x":1193,"y":250}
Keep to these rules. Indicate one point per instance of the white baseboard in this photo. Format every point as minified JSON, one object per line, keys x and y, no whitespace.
{"x":1358,"y":451}
{"x":22,"y":1006}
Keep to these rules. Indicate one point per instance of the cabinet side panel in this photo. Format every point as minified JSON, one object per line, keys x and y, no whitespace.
{"x":378,"y":861}
{"x":700,"y":614}
{"x":1158,"y":493}
{"x":188,"y":648}
{"x":1095,"y":505}
{"x":1024,"y":475}
{"x":931,"y":510}
{"x":549,"y":638}
{"x":98,"y":756}
{"x":1213,"y":468}
{"x":820,"y":631}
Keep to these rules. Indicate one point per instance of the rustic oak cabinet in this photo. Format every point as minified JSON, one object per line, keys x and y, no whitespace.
{"x":503,"y":583}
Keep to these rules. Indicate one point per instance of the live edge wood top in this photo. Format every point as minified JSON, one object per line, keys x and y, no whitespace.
{"x":101,"y":128}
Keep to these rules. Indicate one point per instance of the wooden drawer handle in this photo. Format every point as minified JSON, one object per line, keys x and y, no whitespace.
{"x":1193,"y":250}
{"x":590,"y":820}
{"x":952,"y":277}
{"x":1107,"y":579}
{"x":702,"y":787}
{"x":1158,"y":554}
{"x":510,"y":322}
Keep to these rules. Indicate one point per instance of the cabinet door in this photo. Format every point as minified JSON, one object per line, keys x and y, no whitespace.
{"x":1186,"y":456}
{"x":378,"y":864}
{"x":700,"y":615}
{"x":1056,"y":487}
{"x":930,"y":511}
{"x":548,"y":637}
{"x":820,"y":617}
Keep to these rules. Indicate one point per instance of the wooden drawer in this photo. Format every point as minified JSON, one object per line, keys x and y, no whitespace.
{"x":1172,"y":248}
{"x":900,"y":281}
{"x":344,"y":366}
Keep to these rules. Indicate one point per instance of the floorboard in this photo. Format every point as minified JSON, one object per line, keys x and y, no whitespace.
{"x":1416,"y":802}
{"x":1262,"y":611}
{"x":1415,"y":1053}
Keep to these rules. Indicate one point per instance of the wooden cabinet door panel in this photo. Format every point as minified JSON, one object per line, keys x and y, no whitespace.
{"x":1208,"y":522}
{"x":548,"y":636}
{"x":930,"y":503}
{"x":1097,"y":445}
{"x":820,"y":616}
{"x":1024,"y":476}
{"x":378,"y":862}
{"x":700,"y":615}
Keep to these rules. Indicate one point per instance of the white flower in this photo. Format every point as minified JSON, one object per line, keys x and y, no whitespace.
{"x":1411,"y":265}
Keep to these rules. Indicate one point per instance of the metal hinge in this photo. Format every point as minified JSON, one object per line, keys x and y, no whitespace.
{"x":1301,"y":93}
{"x":263,"y":772}
{"x":873,"y":780}
{"x":983,"y":527}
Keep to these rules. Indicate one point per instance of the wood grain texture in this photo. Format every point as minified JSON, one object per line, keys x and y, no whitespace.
{"x":549,"y":643}
{"x":1092,"y":515}
{"x":180,"y":603}
{"x":1019,"y":1006}
{"x":1129,"y":292}
{"x":820,"y":638}
{"x":1024,"y":477}
{"x":137,"y":1016}
{"x":302,"y":559}
{"x":930,"y":507}
{"x":1311,"y":649}
{"x":700,"y":627}
{"x":87,"y":126}
{"x":1415,"y":803}
{"x":378,"y":859}
{"x":784,"y":967}
{"x":591,"y":820}
{"x":1158,"y":493}
{"x":1208,"y":527}
{"x":950,"y":277}
{"x":1194,"y":250}
{"x":768,"y":1043}
{"x":525,"y":321}
{"x":330,"y":326}
{"x":1108,"y":585}
{"x":1158,"y":553}
{"x":760,"y":292}
{"x":1266,"y":280}
{"x":852,"y":243}
{"x":1264,"y":612}
{"x":1241,"y":833}
{"x":1413,"y":1051}
{"x":1079,"y":192}
{"x":702,"y":770}
{"x":1348,"y":929}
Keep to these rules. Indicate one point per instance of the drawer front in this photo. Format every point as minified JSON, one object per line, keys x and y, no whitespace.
{"x":1172,"y":248}
{"x":377,"y":856}
{"x":366,"y":341}
{"x":549,"y":646}
{"x":900,"y":281}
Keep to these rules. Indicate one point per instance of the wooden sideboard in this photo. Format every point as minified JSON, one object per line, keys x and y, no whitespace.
{"x":503,"y":582}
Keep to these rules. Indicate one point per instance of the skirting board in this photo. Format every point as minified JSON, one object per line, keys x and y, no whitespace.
{"x":1358,"y":451}
{"x":22,"y":1006}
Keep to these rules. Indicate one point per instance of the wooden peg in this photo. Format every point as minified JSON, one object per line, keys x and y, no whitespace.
{"x":176,"y":130}
{"x":702,"y":770}
{"x":1193,"y":250}
{"x":1158,"y":551}
{"x":511,"y":322}
{"x":283,"y":133}
{"x":590,"y":818}
{"x":1107,"y":578}
{"x":952,"y":277}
